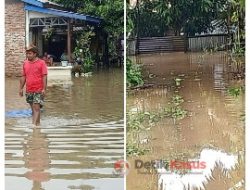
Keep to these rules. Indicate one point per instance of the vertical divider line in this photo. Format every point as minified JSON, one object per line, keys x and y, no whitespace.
{"x":247,"y":101}
{"x":125,"y":79}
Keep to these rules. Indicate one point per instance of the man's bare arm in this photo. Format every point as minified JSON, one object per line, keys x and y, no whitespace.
{"x":22,"y":83}
{"x":44,"y":84}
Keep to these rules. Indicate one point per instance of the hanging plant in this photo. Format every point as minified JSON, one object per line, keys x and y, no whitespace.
{"x":82,"y":49}
{"x":49,"y":32}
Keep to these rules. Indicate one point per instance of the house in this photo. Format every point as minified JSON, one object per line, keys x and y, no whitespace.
{"x":45,"y":24}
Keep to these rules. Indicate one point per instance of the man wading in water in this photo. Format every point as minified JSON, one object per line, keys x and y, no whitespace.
{"x":34,"y":74}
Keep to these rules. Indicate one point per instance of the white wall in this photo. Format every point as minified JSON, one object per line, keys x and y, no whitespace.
{"x":33,"y":14}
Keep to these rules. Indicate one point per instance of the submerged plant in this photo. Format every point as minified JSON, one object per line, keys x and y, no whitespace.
{"x":134,"y":74}
{"x":139,"y":122}
{"x":178,"y":81}
{"x":236,"y":91}
{"x":133,"y":150}
{"x":175,"y":112}
{"x":49,"y":32}
{"x":82,"y":50}
{"x":177,"y":100}
{"x":134,"y":121}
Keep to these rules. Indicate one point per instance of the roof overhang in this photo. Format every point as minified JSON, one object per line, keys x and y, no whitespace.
{"x":34,"y":2}
{"x":43,"y":3}
{"x":42,"y":7}
{"x":63,"y":13}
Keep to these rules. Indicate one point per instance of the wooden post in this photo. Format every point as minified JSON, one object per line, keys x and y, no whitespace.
{"x":137,"y":45}
{"x":186,"y":44}
{"x":97,"y":48}
{"x":105,"y":50}
{"x":69,"y":34}
{"x":104,"y":45}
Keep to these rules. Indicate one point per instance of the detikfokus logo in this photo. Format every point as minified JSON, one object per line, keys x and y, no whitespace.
{"x":121,"y":168}
{"x":146,"y":167}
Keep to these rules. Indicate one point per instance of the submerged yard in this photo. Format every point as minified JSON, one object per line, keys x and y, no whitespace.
{"x":80,"y":138}
{"x":189,"y":102}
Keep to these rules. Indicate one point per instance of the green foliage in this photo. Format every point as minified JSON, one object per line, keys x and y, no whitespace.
{"x":130,"y":25}
{"x":133,"y":150}
{"x":237,"y":50}
{"x":88,"y":64}
{"x":235,"y":18}
{"x":138,"y":122}
{"x":175,"y":16}
{"x":110,"y":11}
{"x":83,"y":41}
{"x":177,"y":100}
{"x":143,"y":120}
{"x":134,"y":74}
{"x":177,"y":81}
{"x":82,"y":49}
{"x":49,"y":33}
{"x":243,"y":117}
{"x":148,"y":12}
{"x":236,"y":91}
{"x":134,"y":121}
{"x":175,"y":110}
{"x":187,"y":16}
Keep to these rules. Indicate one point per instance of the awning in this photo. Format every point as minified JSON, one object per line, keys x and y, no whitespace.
{"x":61,"y":13}
{"x":34,"y":2}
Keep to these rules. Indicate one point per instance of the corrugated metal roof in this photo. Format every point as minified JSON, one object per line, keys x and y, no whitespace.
{"x":34,"y":2}
{"x":40,"y":3}
{"x":49,"y":2}
{"x":62,"y":13}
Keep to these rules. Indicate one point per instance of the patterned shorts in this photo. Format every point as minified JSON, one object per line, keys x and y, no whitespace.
{"x":36,"y":98}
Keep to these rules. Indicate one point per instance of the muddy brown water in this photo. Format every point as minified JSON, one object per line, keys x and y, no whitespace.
{"x":80,"y":138}
{"x":215,"y":119}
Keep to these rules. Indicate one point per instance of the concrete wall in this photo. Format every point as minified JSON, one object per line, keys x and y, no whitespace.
{"x":14,"y":37}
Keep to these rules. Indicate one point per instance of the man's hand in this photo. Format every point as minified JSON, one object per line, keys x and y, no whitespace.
{"x":43,"y":93}
{"x":22,"y":83}
{"x":21,"y":92}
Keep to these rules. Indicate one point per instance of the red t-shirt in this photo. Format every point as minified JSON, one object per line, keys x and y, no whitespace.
{"x":34,"y":72}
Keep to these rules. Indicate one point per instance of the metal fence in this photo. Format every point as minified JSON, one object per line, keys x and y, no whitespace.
{"x":177,"y":43}
{"x":157,"y":44}
{"x":205,"y":42}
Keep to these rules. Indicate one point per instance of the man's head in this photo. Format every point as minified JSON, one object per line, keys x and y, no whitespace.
{"x":31,"y":52}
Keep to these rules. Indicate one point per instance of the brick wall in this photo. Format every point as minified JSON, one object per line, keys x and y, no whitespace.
{"x":14,"y":37}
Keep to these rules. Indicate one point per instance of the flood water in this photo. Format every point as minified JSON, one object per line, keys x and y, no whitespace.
{"x":215,"y":119}
{"x":80,"y":138}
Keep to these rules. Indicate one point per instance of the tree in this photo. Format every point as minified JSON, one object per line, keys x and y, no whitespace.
{"x":110,"y":11}
{"x":146,"y":16}
{"x":181,"y":16}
